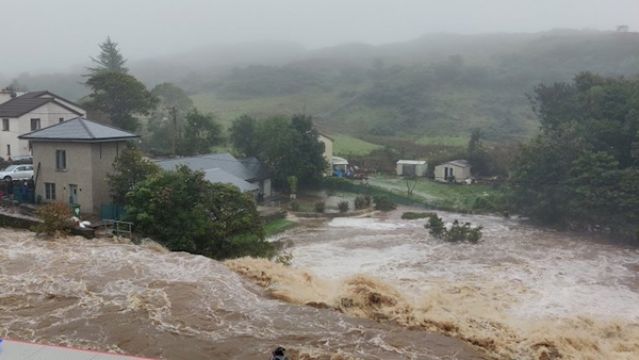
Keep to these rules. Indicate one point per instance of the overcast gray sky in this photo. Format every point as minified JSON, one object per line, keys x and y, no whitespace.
{"x":39,"y":35}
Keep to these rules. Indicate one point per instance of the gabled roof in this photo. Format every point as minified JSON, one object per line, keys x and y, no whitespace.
{"x":217,"y":175}
{"x":460,"y":163}
{"x":41,"y":93}
{"x":78,"y":130}
{"x":411,"y":162}
{"x":30,"y":101}
{"x":248,"y":169}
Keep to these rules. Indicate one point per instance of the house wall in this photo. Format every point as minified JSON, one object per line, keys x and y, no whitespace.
{"x":49,"y":114}
{"x":420,"y":169}
{"x":87,"y":166}
{"x":460,"y":173}
{"x":328,"y":148}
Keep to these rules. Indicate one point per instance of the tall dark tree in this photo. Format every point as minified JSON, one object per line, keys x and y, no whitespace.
{"x":290,"y":147}
{"x":243,"y":135}
{"x":166,"y":123}
{"x":120,"y":96}
{"x":109,"y":60}
{"x":578,"y":170}
{"x":201,"y":132}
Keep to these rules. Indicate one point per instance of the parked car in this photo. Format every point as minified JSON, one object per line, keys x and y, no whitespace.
{"x":17,"y":172}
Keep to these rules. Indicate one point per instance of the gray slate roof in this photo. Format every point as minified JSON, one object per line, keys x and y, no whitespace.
{"x":78,"y":130}
{"x":249,"y":169}
{"x":23,"y":104}
{"x":220,"y":176}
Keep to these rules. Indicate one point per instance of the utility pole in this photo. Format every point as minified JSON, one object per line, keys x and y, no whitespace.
{"x":175,"y":129}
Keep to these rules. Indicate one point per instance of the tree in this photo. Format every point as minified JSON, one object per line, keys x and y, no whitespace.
{"x":184,"y":212}
{"x":290,"y":147}
{"x":167,"y":120}
{"x":120,"y":96}
{"x":243,"y":135}
{"x":577,"y":171}
{"x":201,"y":132}
{"x":129,"y":169}
{"x":109,"y":59}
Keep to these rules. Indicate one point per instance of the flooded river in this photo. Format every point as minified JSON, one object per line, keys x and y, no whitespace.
{"x":521,"y":293}
{"x":363,"y":288}
{"x":143,"y":300}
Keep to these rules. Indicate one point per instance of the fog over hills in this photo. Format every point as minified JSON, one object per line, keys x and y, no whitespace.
{"x":448,"y":82}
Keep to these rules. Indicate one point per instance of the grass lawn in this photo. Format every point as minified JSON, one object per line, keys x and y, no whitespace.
{"x":453,"y":140}
{"x":278,"y":226}
{"x":345,"y":145}
{"x":444,"y":196}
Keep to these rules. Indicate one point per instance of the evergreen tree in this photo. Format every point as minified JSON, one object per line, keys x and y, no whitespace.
{"x":109,"y":59}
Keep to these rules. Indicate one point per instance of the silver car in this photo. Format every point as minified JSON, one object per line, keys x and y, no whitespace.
{"x":17,"y":172}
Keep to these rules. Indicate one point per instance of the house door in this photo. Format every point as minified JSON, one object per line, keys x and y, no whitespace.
{"x":73,"y":194}
{"x":410,"y":170}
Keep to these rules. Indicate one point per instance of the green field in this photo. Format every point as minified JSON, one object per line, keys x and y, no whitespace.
{"x":346,"y":145}
{"x":460,"y":141}
{"x":444,"y":196}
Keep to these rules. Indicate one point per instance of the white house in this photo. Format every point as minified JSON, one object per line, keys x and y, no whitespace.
{"x":456,"y":170}
{"x":29,"y":112}
{"x":412,"y":168}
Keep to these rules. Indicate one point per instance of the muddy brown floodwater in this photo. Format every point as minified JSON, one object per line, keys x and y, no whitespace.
{"x":522,"y":293}
{"x":145,"y":301}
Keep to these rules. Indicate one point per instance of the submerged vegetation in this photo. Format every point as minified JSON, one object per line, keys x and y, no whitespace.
{"x":457,"y":232}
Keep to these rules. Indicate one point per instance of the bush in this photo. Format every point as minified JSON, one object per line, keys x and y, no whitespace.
{"x":343,"y":206}
{"x":362,"y":202}
{"x":456,"y":233}
{"x":435,"y":226}
{"x":409,"y":215}
{"x":320,"y":206}
{"x":56,"y":219}
{"x":294,"y":206}
{"x":384,"y":203}
{"x":463,"y":232}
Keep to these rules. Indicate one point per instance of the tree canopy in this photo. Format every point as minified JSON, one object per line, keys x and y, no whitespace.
{"x":184,"y":212}
{"x":129,"y":169}
{"x":166,"y":123}
{"x":583,"y":167}
{"x":288,"y":146}
{"x":109,"y":60}
{"x":120,"y":96}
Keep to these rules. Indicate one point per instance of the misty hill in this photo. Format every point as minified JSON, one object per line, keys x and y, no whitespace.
{"x":439,"y":84}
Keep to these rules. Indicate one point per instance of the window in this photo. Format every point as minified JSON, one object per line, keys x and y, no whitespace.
{"x":5,"y":124}
{"x":60,"y":120}
{"x":60,"y":159}
{"x":49,"y":191}
{"x":35,"y":124}
{"x":8,"y":150}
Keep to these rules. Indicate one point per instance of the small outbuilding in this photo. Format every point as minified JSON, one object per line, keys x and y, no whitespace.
{"x":412,"y":168}
{"x":340,"y":166}
{"x":453,"y":171}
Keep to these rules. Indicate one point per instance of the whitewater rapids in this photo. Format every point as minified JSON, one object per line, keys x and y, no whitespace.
{"x":521,"y":293}
{"x":143,"y":300}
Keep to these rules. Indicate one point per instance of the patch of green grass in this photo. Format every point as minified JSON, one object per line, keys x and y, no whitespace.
{"x":454,"y":197}
{"x":452,"y":140}
{"x":278,"y":226}
{"x":347,"y":145}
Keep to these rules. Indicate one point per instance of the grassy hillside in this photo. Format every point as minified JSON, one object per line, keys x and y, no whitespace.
{"x":428,"y":91}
